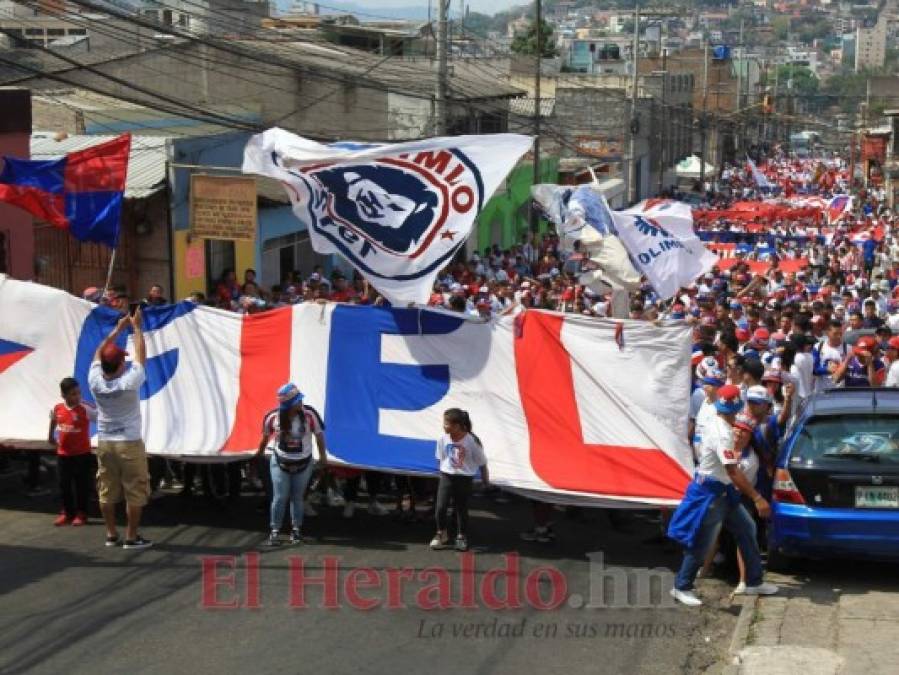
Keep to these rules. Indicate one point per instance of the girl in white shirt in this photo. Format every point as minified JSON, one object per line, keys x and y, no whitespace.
{"x":460,"y":455}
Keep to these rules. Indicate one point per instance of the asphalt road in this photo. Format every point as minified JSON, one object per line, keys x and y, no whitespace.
{"x":69,"y":604}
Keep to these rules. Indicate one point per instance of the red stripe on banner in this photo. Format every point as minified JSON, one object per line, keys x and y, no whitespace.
{"x":7,"y":360}
{"x":264,"y":366}
{"x":762,"y":267}
{"x":559,"y":455}
{"x":100,"y":168}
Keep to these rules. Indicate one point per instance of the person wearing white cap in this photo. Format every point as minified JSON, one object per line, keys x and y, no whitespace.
{"x":768,"y":430}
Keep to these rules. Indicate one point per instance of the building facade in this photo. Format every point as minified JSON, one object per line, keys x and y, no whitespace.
{"x":870,"y":46}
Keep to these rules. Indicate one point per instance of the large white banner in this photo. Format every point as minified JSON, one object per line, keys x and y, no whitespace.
{"x":659,"y":236}
{"x":398,"y":213}
{"x":566,"y":410}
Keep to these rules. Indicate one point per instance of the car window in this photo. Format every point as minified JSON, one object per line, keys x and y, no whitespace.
{"x":872,"y":438}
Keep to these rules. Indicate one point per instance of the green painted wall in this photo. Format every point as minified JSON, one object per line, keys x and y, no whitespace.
{"x":504,"y":217}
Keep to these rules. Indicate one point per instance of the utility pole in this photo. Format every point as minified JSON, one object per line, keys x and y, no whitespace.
{"x":538,"y":58}
{"x":740,"y":71}
{"x":738,"y":112}
{"x":774,"y":101}
{"x":440,"y":97}
{"x":634,"y":123}
{"x":664,"y":118}
{"x":703,"y":120}
{"x":790,"y":106}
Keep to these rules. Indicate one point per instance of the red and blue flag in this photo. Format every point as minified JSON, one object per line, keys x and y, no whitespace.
{"x":81,"y":192}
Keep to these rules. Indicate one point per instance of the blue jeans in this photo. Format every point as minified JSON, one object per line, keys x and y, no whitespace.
{"x":288,"y":487}
{"x":735,"y":518}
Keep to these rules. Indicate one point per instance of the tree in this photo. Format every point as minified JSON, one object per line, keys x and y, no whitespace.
{"x":814,"y":30}
{"x":804,"y":80}
{"x":526,"y":43}
{"x":781,"y":27}
{"x":846,"y":90}
{"x":481,"y":24}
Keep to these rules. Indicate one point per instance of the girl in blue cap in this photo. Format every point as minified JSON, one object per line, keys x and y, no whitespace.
{"x":289,"y":434}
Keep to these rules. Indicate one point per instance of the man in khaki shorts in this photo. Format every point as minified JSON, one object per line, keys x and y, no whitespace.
{"x":122,"y":459}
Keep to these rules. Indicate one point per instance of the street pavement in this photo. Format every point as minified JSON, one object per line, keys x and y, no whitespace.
{"x":833,"y":616}
{"x":69,"y":604}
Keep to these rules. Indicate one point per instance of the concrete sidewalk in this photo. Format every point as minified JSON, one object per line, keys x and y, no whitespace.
{"x":822,"y":626}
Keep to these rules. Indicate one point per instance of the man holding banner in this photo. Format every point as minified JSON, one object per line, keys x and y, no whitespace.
{"x":115,"y":385}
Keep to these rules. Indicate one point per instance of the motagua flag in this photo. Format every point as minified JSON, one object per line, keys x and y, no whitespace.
{"x":398,"y":213}
{"x":659,"y":235}
{"x":569,"y":408}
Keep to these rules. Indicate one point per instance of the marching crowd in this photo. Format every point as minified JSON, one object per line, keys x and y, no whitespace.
{"x":767,"y":335}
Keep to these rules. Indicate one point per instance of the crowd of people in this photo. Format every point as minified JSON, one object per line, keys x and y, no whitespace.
{"x":767,"y":335}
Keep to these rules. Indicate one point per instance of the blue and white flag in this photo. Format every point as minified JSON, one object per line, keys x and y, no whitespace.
{"x":761,"y":180}
{"x":399,"y":212}
{"x":660,"y":239}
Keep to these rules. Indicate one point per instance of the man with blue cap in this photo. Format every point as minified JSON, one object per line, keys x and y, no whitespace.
{"x":711,"y":380}
{"x":290,"y":433}
{"x":712,"y":500}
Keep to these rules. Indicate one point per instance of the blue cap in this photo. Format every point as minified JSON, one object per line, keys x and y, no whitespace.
{"x":729,"y":407}
{"x":289,"y":396}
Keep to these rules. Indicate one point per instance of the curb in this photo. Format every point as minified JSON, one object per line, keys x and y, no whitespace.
{"x":740,"y":635}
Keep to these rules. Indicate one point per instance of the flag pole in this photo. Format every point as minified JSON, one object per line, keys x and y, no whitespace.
{"x":109,"y":272}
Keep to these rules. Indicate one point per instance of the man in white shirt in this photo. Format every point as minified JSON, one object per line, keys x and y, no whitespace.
{"x":712,"y":500}
{"x":122,"y":459}
{"x":829,"y":354}
{"x":803,"y":366}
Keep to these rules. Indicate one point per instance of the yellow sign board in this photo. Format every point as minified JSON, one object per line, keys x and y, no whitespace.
{"x":223,"y":207}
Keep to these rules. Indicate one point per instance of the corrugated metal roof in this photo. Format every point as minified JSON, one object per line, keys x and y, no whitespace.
{"x":146,"y":165}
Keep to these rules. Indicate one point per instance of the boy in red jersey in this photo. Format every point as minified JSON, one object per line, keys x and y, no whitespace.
{"x":71,"y":422}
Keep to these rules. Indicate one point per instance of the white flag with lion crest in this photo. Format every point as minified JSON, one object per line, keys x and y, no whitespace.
{"x":398,"y":213}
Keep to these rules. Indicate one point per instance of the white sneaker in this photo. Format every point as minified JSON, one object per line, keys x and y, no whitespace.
{"x":334,"y":498}
{"x":740,"y":589}
{"x":375,"y":508}
{"x":308,"y":510}
{"x":438,"y":544}
{"x":763,"y":588}
{"x":687,"y":598}
{"x":349,"y":509}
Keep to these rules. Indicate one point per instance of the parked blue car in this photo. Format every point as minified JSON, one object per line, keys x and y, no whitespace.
{"x":836,"y":485}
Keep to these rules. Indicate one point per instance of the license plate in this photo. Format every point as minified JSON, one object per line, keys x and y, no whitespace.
{"x":876,"y":497}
